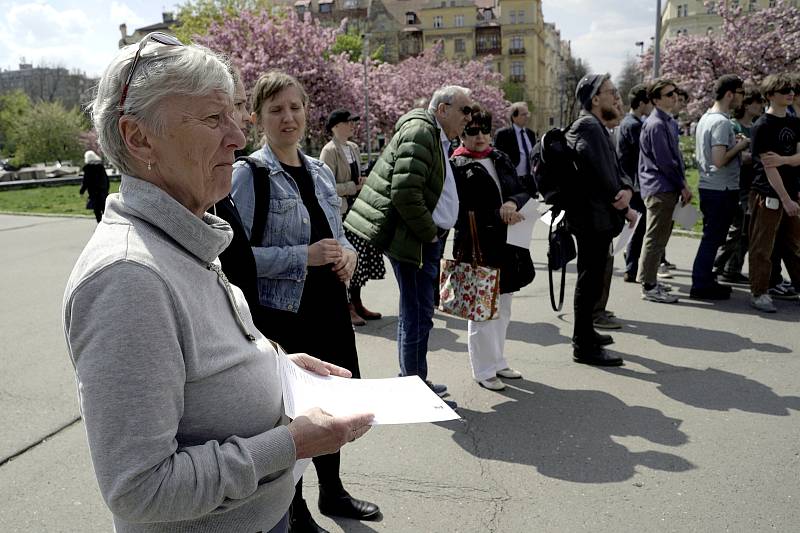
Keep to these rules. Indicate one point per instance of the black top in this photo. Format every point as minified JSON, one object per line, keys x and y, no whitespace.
{"x":628,"y":147}
{"x":320,"y":229}
{"x":95,"y":179}
{"x":780,"y":135}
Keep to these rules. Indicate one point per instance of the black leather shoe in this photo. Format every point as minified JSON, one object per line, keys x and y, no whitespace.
{"x":714,"y":292}
{"x":594,"y":355}
{"x":603,"y":340}
{"x":344,"y":505}
{"x":301,"y":521}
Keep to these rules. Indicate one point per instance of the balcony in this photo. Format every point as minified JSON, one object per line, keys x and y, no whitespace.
{"x":517,"y":78}
{"x":488,"y":41}
{"x":516,"y":51}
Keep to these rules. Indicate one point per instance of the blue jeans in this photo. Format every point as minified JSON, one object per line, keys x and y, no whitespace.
{"x":718,"y":208}
{"x":415,"y":320}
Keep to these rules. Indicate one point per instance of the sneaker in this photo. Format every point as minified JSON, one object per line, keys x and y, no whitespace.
{"x":509,"y":373}
{"x":783,"y":292}
{"x":450,"y":403}
{"x":666,"y":287}
{"x":763,"y":303}
{"x":668,"y":265}
{"x":663,"y":272}
{"x":492,"y":384}
{"x":606,"y":322}
{"x":657,"y":294}
{"x":438,"y":388}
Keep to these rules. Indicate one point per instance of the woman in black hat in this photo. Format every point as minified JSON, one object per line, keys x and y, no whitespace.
{"x":344,"y":159}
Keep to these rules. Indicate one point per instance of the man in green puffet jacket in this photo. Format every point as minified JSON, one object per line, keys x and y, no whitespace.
{"x":406,"y":207}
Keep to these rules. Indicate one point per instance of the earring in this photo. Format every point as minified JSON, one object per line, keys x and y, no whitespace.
{"x":149,"y":167}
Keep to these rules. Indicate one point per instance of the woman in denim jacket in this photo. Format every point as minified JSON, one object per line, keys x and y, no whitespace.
{"x":303,"y":265}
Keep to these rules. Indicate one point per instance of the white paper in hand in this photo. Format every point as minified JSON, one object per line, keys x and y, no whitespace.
{"x":404,"y":400}
{"x":520,"y":234}
{"x":685,"y":215}
{"x":626,"y":234}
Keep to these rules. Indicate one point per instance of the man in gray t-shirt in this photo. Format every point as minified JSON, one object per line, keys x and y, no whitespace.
{"x":717,"y":151}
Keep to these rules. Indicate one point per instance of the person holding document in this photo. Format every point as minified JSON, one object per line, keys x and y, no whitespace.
{"x":488,"y":186}
{"x":179,"y":392}
{"x":303,"y":264}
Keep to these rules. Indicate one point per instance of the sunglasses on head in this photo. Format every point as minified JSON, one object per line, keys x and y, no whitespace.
{"x":160,"y":38}
{"x":787,"y":90}
{"x":466,"y":110}
{"x":471,"y":131}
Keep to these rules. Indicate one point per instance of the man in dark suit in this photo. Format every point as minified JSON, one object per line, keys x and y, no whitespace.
{"x":517,"y":140}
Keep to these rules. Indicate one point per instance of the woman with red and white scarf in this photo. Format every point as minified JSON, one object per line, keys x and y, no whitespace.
{"x":488,"y":186}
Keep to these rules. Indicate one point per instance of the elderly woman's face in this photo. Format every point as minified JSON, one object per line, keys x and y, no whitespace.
{"x":193,"y":159}
{"x":283,"y":118}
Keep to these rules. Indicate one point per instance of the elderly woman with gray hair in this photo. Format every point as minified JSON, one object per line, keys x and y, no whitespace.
{"x":179,"y":391}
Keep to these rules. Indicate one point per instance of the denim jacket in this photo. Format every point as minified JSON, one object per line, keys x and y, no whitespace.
{"x":282,"y":258}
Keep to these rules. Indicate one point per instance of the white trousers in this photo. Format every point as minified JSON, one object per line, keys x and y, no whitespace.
{"x":486,"y":340}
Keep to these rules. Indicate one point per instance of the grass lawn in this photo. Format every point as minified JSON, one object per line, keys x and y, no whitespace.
{"x":63,"y":199}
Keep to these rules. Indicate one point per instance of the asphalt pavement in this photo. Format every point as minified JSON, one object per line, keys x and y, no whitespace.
{"x":698,"y":431}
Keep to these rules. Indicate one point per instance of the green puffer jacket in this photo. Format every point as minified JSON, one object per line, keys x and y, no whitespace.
{"x":394,"y":209}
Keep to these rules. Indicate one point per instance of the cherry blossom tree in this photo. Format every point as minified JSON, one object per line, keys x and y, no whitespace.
{"x":750,"y":44}
{"x":397,"y":88}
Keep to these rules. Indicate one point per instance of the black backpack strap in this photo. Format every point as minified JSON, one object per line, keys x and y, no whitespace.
{"x":556,"y":307}
{"x":261,"y":190}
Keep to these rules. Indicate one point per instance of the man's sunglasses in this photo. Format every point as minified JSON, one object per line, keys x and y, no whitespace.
{"x":472,"y":131}
{"x":160,"y":38}
{"x":787,"y":90}
{"x":467,"y":110}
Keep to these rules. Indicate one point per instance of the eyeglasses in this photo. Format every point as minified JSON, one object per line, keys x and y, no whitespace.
{"x":669,"y":94}
{"x":467,"y":110}
{"x":160,"y":38}
{"x":786,"y":90}
{"x":472,"y":131}
{"x":615,"y":92}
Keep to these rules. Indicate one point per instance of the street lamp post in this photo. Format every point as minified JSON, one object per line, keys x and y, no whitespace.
{"x":657,"y":44}
{"x":366,"y":99}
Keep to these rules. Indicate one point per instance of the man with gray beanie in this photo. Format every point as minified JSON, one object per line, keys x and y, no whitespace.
{"x":598,"y":209}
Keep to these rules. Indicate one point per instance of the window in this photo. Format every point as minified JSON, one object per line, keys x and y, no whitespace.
{"x":325,"y":8}
{"x":772,"y":3}
{"x":735,"y":3}
{"x":517,"y":69}
{"x":680,"y":10}
{"x":752,"y":5}
{"x":350,"y":4}
{"x":411,"y":18}
{"x":516,"y":43}
{"x":513,"y":15}
{"x":711,"y":8}
{"x":438,"y":21}
{"x":459,"y":20}
{"x":460,"y":46}
{"x":521,"y":17}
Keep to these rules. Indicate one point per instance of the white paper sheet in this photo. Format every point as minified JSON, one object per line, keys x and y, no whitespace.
{"x":685,"y":215}
{"x":299,"y":467}
{"x":626,"y":235}
{"x":520,"y":234}
{"x":404,"y":400}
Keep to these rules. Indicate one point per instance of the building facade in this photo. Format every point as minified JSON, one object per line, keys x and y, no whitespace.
{"x":694,"y":17}
{"x":49,"y":84}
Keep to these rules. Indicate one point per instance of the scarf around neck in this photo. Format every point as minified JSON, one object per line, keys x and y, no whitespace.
{"x":463,"y":150}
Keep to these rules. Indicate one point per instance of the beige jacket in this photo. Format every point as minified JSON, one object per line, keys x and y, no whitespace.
{"x":333,"y":155}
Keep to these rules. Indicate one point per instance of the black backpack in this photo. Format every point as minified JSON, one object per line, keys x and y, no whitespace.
{"x":238,"y":262}
{"x":555,"y":168}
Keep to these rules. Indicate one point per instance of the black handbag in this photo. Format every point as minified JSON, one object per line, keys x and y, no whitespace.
{"x":560,"y":251}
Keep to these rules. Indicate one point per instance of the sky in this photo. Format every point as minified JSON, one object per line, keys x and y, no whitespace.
{"x":83,"y":35}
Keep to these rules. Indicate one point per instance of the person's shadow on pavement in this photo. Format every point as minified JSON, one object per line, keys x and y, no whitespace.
{"x":711,"y":388}
{"x":569,"y":434}
{"x":695,"y":338}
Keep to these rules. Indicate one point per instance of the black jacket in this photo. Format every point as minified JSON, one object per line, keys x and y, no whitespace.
{"x":600,"y":178}
{"x":505,"y":140}
{"x":478,"y":192}
{"x":95,"y":180}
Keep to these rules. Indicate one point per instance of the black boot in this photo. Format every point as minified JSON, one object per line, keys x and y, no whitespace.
{"x":300,"y":519}
{"x":338,"y":502}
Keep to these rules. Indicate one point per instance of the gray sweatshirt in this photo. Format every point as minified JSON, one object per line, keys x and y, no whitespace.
{"x":179,"y":392}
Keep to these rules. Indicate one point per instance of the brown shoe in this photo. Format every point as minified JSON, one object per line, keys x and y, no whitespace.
{"x":354,"y":318}
{"x":365,"y":313}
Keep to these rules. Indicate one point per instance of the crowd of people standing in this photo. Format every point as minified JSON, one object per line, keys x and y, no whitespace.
{"x":184,"y":415}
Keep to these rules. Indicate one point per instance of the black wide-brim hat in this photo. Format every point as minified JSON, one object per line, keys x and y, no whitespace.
{"x":338,"y":116}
